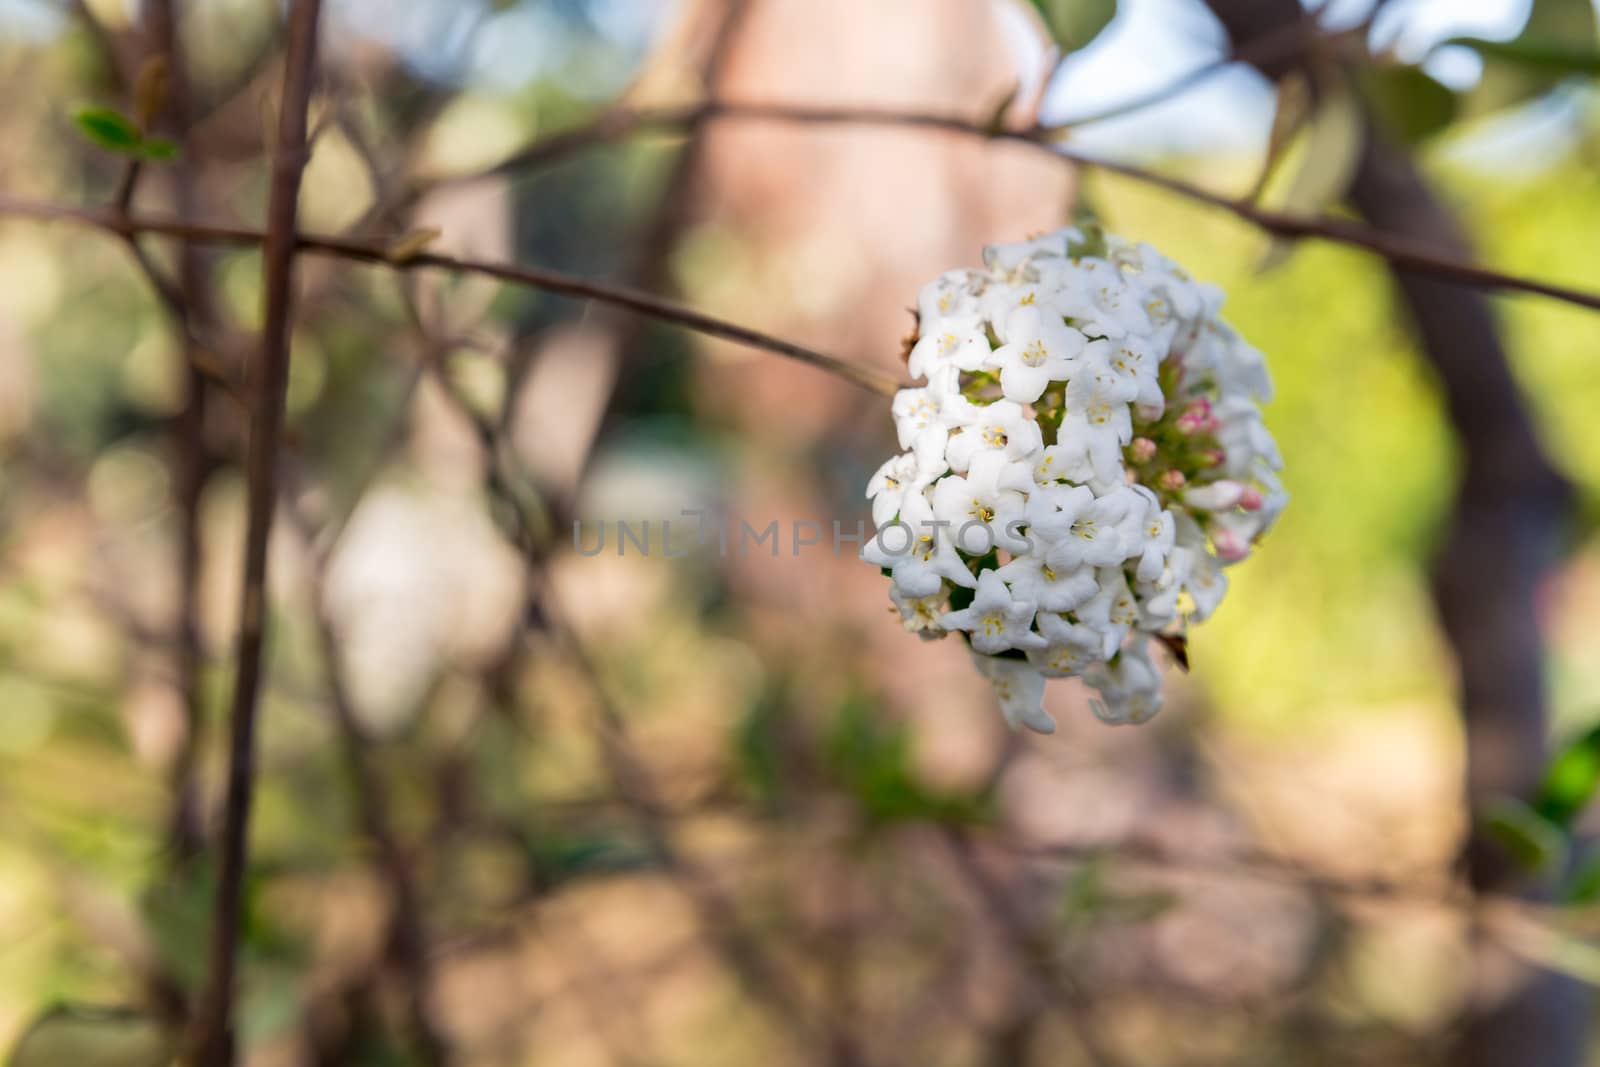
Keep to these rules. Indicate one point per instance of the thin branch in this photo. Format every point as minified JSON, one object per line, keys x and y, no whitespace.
{"x":213,"y":1034}
{"x":1413,"y":256}
{"x":717,"y":914}
{"x":189,"y":303}
{"x":407,"y":934}
{"x":368,"y":251}
{"x":1033,"y":949}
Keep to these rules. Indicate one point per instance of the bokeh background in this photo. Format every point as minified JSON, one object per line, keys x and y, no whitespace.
{"x":754,"y":820}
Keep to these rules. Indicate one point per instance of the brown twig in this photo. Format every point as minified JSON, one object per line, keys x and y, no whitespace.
{"x":191,"y":461}
{"x":1032,"y":950}
{"x":632,"y":782}
{"x":367,"y":251}
{"x":407,"y":934}
{"x":213,"y":1042}
{"x":1416,"y":256}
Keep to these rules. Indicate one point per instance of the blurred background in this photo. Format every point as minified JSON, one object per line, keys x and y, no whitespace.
{"x":526,"y":805}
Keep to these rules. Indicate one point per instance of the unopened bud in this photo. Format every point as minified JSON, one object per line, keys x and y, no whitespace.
{"x":1142,"y":449}
{"x":1231,"y":548}
{"x":1171,"y":479}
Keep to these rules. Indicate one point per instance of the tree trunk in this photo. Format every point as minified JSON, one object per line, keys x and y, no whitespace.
{"x":1506,"y":534}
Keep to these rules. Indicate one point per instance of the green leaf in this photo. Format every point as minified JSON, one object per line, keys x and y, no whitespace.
{"x":87,"y":1036}
{"x":1557,"y":35}
{"x":1571,"y":780}
{"x":1533,"y":842}
{"x":109,"y":129}
{"x":557,"y":858}
{"x":1553,"y":56}
{"x":1411,"y":105}
{"x":1584,"y":886}
{"x":1328,"y":161}
{"x":1090,"y":898}
{"x":871,"y":757}
{"x":1074,"y":23}
{"x":158,"y":149}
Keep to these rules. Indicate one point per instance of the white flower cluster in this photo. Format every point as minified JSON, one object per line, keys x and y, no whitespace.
{"x":1086,"y":457}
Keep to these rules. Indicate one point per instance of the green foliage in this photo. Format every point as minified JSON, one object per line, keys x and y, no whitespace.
{"x":1570,"y":780}
{"x":1584,"y":885}
{"x":109,"y":129}
{"x":557,"y":858}
{"x":1558,"y":41}
{"x":871,"y":757}
{"x":758,"y":748}
{"x":1328,"y":162}
{"x":1074,"y":23}
{"x":1409,"y":103}
{"x":1091,"y":899}
{"x":115,"y":132}
{"x":76,"y":1035}
{"x":1533,"y":842}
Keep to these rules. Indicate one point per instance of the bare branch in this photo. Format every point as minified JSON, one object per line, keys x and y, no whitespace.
{"x":367,"y":251}
{"x":1415,"y":256}
{"x":213,"y":1041}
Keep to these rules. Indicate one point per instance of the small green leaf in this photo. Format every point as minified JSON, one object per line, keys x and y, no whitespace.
{"x":109,"y":129}
{"x":158,"y":149}
{"x":1411,"y":105}
{"x":1571,"y":780}
{"x":86,"y":1036}
{"x":1532,"y":842}
{"x":1542,"y":54}
{"x":1074,"y":23}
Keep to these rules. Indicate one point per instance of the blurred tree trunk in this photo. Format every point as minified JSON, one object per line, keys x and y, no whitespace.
{"x":1506,"y":534}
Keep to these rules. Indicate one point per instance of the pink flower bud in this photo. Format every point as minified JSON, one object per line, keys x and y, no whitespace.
{"x":1189,"y":423}
{"x":1229,"y":545}
{"x":1214,"y":457}
{"x":1171,"y":479}
{"x":1251,"y":499}
{"x":1142,"y":449}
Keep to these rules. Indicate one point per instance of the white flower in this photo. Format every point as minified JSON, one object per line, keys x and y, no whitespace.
{"x":946,"y":297}
{"x":921,"y":614}
{"x":889,"y":486}
{"x":1130,"y":687}
{"x":915,"y":410}
{"x":997,"y":621}
{"x":1031,"y":578}
{"x":919,"y":554}
{"x":1065,"y":461}
{"x":979,"y":501}
{"x":1085,"y":508}
{"x":1039,"y":349}
{"x":960,"y":341}
{"x":1052,"y":510}
{"x":1094,"y":536}
{"x":1100,"y":301}
{"x":1136,"y":361}
{"x":1006,"y":258}
{"x":1148,"y":533}
{"x":1072,"y":649}
{"x":999,"y":427}
{"x":1020,"y":691}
